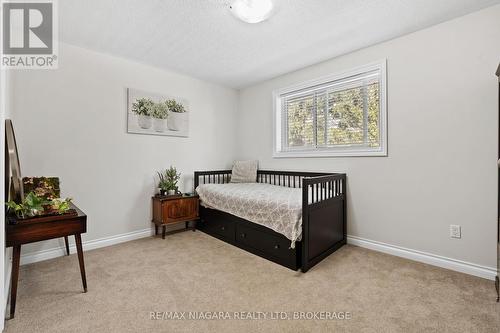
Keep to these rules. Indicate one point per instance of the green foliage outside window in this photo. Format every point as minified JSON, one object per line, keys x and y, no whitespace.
{"x":335,"y":118}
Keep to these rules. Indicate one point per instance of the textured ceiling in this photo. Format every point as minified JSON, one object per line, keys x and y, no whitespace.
{"x":201,"y":38}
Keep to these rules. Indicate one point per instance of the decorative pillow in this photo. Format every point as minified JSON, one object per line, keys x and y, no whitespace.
{"x":244,"y":172}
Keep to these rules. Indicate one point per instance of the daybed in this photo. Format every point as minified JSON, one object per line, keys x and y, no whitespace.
{"x":297,"y":231}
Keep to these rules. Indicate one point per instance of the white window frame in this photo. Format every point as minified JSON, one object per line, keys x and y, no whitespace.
{"x":278,"y":122}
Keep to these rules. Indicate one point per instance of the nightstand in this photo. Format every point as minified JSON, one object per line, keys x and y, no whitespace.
{"x":175,"y":209}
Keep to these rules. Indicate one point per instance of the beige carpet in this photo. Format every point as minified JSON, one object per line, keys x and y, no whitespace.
{"x":192,"y":271}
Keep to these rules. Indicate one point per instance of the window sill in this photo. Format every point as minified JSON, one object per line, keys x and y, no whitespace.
{"x":329,"y":153}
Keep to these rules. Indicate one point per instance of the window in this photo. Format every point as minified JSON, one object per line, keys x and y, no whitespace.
{"x":338,"y":115}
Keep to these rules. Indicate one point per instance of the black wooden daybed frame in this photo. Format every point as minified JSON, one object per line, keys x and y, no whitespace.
{"x":323,"y":218}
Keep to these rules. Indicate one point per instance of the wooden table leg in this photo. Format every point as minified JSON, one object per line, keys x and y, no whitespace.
{"x":194,"y":225}
{"x":16,"y":257}
{"x":156,"y":230}
{"x":163,"y":232}
{"x":67,"y":244}
{"x":79,"y":250}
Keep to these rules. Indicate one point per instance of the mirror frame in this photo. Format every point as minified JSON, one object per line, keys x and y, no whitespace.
{"x":13,"y":178}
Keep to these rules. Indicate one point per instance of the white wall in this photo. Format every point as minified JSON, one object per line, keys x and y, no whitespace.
{"x":71,"y":123}
{"x":442,"y":121}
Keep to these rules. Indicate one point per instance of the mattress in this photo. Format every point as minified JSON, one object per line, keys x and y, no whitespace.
{"x":278,"y":208}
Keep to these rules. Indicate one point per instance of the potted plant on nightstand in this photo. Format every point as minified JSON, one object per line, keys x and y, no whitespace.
{"x":162,"y":182}
{"x":160,"y":114}
{"x":168,"y":181}
{"x":172,"y":177}
{"x":178,"y":115}
{"x":142,"y":107}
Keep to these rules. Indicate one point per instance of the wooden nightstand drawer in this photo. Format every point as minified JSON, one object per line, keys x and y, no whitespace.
{"x":173,"y":210}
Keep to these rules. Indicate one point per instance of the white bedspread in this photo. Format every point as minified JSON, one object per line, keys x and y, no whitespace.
{"x":276,"y":207}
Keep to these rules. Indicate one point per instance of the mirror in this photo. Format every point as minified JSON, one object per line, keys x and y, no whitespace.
{"x":13,"y":179}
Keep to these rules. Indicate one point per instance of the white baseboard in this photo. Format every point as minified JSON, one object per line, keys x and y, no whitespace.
{"x":88,"y":245}
{"x":428,"y":258}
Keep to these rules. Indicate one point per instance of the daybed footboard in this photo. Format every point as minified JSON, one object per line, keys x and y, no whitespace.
{"x":323,"y":217}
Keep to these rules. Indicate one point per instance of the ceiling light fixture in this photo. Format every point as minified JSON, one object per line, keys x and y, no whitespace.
{"x":252,"y":11}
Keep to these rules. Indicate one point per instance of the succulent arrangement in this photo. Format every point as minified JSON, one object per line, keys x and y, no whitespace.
{"x":168,"y":180}
{"x":146,"y":107}
{"x":150,"y":113}
{"x":174,"y":106}
{"x":33,"y":205}
{"x":143,"y":107}
{"x":159,"y":110}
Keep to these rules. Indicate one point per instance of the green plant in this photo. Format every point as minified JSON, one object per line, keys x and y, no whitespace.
{"x":60,"y":205}
{"x":142,"y":107}
{"x":162,"y":183}
{"x":30,"y":206}
{"x":173,"y":106}
{"x":160,"y":110}
{"x":172,"y":177}
{"x":168,"y":179}
{"x":33,"y":205}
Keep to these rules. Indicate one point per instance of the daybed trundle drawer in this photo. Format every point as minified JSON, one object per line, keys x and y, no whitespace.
{"x":217,"y":224}
{"x":275,"y":246}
